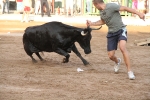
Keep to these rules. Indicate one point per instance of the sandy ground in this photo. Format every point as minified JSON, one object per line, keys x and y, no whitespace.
{"x":20,"y":79}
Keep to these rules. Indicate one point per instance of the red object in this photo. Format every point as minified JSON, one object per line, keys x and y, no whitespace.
{"x":26,"y":8}
{"x":19,"y":0}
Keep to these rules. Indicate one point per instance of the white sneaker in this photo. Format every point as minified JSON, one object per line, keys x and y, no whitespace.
{"x":131,"y":75}
{"x":117,"y":66}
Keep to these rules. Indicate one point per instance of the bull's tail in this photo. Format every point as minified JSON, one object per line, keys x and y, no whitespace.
{"x":28,"y":46}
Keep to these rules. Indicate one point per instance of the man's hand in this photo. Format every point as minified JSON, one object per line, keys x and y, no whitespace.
{"x":88,"y":22}
{"x":142,"y":16}
{"x":97,"y":23}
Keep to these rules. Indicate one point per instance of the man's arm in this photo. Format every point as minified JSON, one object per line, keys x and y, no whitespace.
{"x":97,"y":23}
{"x":141,"y":15}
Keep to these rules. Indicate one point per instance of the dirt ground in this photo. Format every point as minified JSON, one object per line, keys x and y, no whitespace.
{"x":20,"y":79}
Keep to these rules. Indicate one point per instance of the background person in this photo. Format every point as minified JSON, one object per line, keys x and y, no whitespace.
{"x":37,"y":7}
{"x":69,"y":7}
{"x":5,"y":2}
{"x":117,"y":33}
{"x":135,"y":5}
{"x":44,"y":4}
{"x":19,"y":6}
{"x":1,"y":6}
{"x":50,"y":4}
{"x":32,"y":6}
{"x":141,"y":6}
{"x":27,"y":9}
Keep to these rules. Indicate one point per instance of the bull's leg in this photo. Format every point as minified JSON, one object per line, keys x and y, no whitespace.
{"x":33,"y":60}
{"x":27,"y":47}
{"x":37,"y":53}
{"x":62,"y":52}
{"x":30,"y":54}
{"x":75,"y":50}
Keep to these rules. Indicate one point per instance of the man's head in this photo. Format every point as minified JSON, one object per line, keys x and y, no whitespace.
{"x":98,"y":4}
{"x":98,"y":1}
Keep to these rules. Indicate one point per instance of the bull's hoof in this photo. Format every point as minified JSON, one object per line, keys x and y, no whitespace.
{"x":89,"y":67}
{"x":43,"y":60}
{"x":65,"y":60}
{"x":86,"y":63}
{"x":34,"y":61}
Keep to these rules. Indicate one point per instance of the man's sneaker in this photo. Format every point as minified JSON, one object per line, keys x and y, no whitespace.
{"x":117,"y":66}
{"x":131,"y":75}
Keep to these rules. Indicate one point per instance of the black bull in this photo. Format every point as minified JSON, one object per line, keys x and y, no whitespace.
{"x":57,"y":37}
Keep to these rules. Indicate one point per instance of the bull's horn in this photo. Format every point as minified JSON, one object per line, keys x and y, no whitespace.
{"x":96,"y":28}
{"x":82,"y":33}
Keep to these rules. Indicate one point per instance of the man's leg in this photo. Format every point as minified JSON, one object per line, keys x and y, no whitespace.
{"x":23,"y":15}
{"x":122,"y":46}
{"x":117,"y":61}
{"x":111,"y":55}
{"x":47,"y":8}
{"x":36,"y":7}
{"x":42,"y":13}
{"x":8,"y":7}
{"x":27,"y":16}
{"x":112,"y":43}
{"x":39,"y":7}
{"x":4,"y":3}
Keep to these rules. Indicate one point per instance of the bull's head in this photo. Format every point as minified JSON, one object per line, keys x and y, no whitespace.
{"x":85,"y":38}
{"x":83,"y":33}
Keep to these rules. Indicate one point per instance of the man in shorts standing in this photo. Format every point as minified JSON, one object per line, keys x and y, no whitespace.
{"x":27,"y":9}
{"x":117,"y":33}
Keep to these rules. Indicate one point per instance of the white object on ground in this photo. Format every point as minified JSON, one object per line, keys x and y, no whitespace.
{"x":79,"y":70}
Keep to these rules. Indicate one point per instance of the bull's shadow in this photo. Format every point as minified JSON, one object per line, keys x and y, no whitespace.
{"x":57,"y":37}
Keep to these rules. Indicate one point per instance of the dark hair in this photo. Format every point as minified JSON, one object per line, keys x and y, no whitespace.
{"x":98,"y":1}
